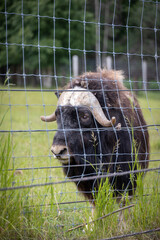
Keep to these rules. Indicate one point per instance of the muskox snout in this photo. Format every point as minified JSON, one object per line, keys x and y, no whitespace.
{"x":60,"y":152}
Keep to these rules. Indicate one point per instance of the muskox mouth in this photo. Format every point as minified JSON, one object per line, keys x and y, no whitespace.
{"x":64,"y":157}
{"x":66,"y":161}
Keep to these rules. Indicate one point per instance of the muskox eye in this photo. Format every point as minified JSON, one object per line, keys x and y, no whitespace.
{"x":85,"y":117}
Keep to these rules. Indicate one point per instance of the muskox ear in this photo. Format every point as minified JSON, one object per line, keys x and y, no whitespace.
{"x":58,"y":93}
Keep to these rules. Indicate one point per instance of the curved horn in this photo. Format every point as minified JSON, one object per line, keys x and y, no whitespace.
{"x":85,"y":98}
{"x":49,"y":118}
{"x":100,"y":116}
{"x":63,"y":100}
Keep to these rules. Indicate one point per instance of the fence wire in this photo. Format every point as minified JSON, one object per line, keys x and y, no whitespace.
{"x":37,"y":46}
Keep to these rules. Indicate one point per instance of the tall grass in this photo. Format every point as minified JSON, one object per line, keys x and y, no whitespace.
{"x":144,"y":215}
{"x":21,"y":218}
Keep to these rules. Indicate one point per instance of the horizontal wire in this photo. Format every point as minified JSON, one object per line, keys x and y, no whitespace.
{"x":151,"y":1}
{"x":60,"y":179}
{"x":138,"y":128}
{"x":98,"y":90}
{"x":79,"y":50}
{"x":81,"y":179}
{"x":132,"y":234}
{"x":80,"y":165}
{"x":62,"y":76}
{"x":81,"y":201}
{"x":84,"y":21}
{"x":79,"y":192}
{"x":55,"y":105}
{"x":74,"y":177}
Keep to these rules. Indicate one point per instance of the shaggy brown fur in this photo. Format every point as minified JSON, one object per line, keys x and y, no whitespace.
{"x":116,"y":101}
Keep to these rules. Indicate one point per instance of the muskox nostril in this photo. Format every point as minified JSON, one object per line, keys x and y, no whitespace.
{"x":63,"y":151}
{"x":59,"y":151}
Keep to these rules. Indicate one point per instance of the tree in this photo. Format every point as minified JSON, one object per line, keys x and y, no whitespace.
{"x":53,"y":25}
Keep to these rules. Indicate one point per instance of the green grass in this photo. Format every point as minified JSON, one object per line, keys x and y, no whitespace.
{"x":33,"y":213}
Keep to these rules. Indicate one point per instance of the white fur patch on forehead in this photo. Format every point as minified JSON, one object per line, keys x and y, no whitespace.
{"x":65,"y":97}
{"x":76,"y":96}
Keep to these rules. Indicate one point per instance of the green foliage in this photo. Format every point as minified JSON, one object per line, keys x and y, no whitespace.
{"x":60,"y":24}
{"x":104,"y":198}
{"x":5,"y":162}
{"x":49,"y":32}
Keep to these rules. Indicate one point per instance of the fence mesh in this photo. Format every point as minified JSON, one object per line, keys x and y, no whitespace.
{"x":37,"y":44}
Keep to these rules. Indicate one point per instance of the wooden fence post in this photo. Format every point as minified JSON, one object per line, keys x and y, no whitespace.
{"x":47,"y":82}
{"x":144,"y":74}
{"x":109,"y":63}
{"x":75,"y":65}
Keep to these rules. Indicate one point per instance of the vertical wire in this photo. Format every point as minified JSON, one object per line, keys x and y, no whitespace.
{"x":60,"y":107}
{"x":25,"y":88}
{"x":99,"y":36}
{"x":9,"y":93}
{"x":146,"y":94}
{"x":84,"y":41}
{"x":70,"y":63}
{"x":99,"y":61}
{"x":106,"y":108}
{"x":54,"y":62}
{"x":86,"y":80}
{"x":81,"y":131}
{"x":41,"y":87}
{"x":141,"y":29}
{"x":129,"y":74}
{"x":70,"y":77}
{"x":156,"y":54}
{"x":26,"y":98}
{"x":69,"y":42}
{"x":130,"y":84}
{"x":121,"y":108}
{"x":85,"y":69}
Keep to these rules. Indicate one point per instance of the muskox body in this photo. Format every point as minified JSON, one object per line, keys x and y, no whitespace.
{"x":86,"y":147}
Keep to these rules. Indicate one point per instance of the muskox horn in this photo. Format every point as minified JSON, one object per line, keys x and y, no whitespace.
{"x":90,"y":101}
{"x":63,"y":100}
{"x":49,"y":118}
{"x":79,"y":96}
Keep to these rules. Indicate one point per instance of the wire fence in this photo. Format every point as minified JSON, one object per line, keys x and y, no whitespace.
{"x":37,"y":46}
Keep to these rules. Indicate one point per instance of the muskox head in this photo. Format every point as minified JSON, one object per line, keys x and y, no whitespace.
{"x":78,"y":115}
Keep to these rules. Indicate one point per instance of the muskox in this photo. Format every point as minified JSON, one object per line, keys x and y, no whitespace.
{"x":101,"y":130}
